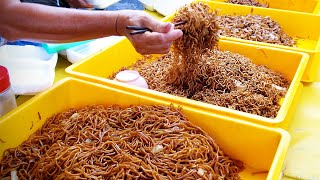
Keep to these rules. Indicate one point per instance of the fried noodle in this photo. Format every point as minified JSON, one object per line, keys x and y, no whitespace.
{"x":113,"y":142}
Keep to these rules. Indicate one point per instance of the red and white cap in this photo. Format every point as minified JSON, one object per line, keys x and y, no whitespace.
{"x":4,"y":79}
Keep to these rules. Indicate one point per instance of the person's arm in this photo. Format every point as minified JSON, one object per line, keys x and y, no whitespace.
{"x":51,"y":24}
{"x":58,"y":25}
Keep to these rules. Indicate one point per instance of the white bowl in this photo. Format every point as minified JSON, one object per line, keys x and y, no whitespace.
{"x":131,"y":77}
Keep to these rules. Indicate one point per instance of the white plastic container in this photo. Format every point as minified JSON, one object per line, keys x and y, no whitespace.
{"x":132,"y":78}
{"x":148,"y":4}
{"x":168,"y":7}
{"x":7,"y":97}
{"x":31,"y":68}
{"x":82,"y":51}
{"x":164,"y":7}
{"x":101,"y":4}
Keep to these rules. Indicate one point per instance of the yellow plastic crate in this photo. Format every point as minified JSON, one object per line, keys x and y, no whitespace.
{"x":305,"y":28}
{"x":262,"y":149}
{"x":292,"y":64}
{"x":306,"y":6}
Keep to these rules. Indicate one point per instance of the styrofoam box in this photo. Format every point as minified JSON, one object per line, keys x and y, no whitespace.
{"x":101,"y":4}
{"x":164,"y":7}
{"x":168,"y":7}
{"x":82,"y":51}
{"x":31,"y":68}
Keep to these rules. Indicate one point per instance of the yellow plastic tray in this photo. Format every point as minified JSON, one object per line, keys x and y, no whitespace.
{"x":262,"y":149}
{"x":304,"y":27}
{"x":98,"y":67}
{"x":306,"y":6}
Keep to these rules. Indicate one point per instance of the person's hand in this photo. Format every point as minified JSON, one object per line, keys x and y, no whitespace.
{"x":78,"y":4}
{"x":157,"y":42}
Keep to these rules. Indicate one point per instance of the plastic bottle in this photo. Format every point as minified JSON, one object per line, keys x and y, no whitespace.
{"x":131,"y":77}
{"x":7,"y":97}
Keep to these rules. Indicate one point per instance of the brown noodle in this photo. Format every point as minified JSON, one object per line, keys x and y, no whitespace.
{"x":254,"y":28}
{"x":200,"y":34}
{"x":111,"y":142}
{"x":198,"y":70}
{"x":248,"y":3}
{"x":227,"y":79}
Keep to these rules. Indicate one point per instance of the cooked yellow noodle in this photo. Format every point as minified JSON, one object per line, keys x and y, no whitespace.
{"x":111,"y":142}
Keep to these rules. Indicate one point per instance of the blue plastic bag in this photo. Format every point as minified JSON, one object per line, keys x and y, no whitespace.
{"x":23,"y":43}
{"x":3,"y":41}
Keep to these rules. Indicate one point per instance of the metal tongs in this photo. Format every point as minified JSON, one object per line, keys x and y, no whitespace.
{"x":141,"y":30}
